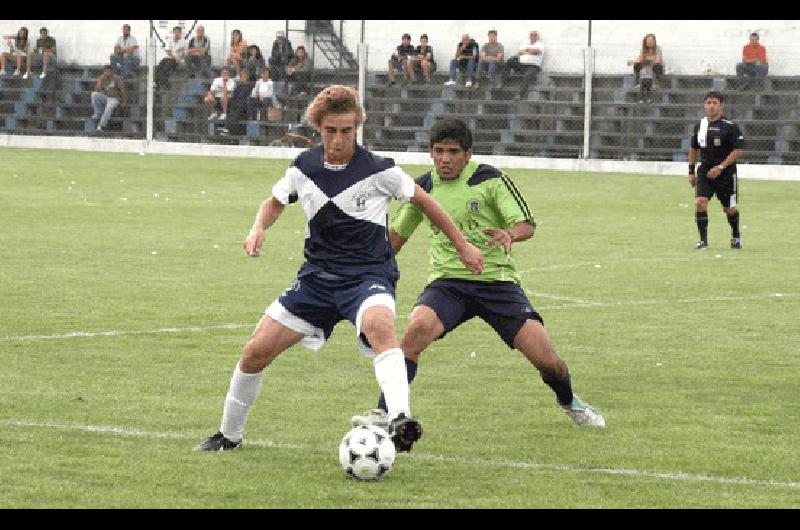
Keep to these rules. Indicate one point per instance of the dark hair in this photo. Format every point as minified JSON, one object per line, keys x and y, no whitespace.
{"x":42,"y":29}
{"x":451,"y":129}
{"x":406,"y":35}
{"x":754,"y":34}
{"x":178,"y":28}
{"x":492,"y":31}
{"x":126,"y":26}
{"x":423,"y":36}
{"x":714,"y":94}
{"x":108,"y":67}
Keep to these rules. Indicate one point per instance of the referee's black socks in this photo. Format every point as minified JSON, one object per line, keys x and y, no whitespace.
{"x":702,"y":224}
{"x":733,"y":220}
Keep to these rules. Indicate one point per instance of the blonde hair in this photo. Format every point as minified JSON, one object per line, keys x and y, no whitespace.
{"x":336,"y":99}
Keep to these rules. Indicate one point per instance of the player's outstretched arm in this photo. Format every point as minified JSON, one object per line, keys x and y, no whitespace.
{"x":268,"y":213}
{"x":469,"y":255}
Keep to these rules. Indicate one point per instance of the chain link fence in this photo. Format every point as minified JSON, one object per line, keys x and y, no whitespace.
{"x":517,"y":104}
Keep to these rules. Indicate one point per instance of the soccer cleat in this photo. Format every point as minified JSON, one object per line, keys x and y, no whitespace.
{"x":376,"y":417}
{"x":736,"y":242}
{"x":223,"y":116}
{"x":213,"y":116}
{"x":404,"y":431}
{"x":449,"y":83}
{"x":701,"y":245}
{"x":43,"y":75}
{"x":583,"y":413}
{"x":16,"y":72}
{"x":99,"y":127}
{"x":218,"y":442}
{"x":25,"y":76}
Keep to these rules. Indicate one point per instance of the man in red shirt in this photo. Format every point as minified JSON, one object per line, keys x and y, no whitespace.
{"x":754,"y":66}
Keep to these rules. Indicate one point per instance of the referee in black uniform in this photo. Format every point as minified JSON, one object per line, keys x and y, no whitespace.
{"x":720,"y":143}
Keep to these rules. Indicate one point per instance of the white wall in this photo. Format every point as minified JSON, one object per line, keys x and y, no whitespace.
{"x":690,"y":46}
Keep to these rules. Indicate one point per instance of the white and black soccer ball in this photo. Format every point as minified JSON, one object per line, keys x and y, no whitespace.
{"x":366,"y":453}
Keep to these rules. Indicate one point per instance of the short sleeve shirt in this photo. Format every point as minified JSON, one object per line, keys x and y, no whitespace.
{"x":722,"y":137}
{"x":122,"y":42}
{"x":216,"y":87}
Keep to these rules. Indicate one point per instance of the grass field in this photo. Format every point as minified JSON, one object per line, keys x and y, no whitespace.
{"x":126,"y":298}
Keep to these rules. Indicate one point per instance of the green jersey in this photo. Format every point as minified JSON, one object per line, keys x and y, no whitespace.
{"x":480,"y":197}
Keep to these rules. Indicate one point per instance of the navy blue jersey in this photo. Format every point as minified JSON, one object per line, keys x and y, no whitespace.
{"x":347,"y":209}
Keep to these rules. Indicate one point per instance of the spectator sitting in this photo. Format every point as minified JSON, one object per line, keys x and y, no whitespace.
{"x":650,"y":55}
{"x":465,"y":60}
{"x":18,"y":47}
{"x":254,"y":61}
{"x":109,"y":93}
{"x":422,"y":61}
{"x":125,"y":58}
{"x":280,"y":56}
{"x":299,"y":70}
{"x":44,"y":54}
{"x":217,"y":97}
{"x":198,"y":54}
{"x":754,"y":67}
{"x":236,"y":54}
{"x":262,"y":96}
{"x":528,"y":62}
{"x":491,"y":58}
{"x":237,"y":105}
{"x":400,"y":58}
{"x":175,"y":54}
{"x":646,"y":81}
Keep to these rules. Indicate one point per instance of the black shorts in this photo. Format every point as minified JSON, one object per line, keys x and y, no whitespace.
{"x":725,"y":187}
{"x":502,"y":305}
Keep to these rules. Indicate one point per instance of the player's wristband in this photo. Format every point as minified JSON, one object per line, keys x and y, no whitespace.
{"x":691,"y":169}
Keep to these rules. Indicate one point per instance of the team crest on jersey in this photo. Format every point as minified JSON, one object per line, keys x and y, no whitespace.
{"x":474,"y":206}
{"x":360,"y":200}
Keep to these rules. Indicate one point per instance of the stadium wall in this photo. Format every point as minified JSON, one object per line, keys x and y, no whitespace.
{"x":143,"y":148}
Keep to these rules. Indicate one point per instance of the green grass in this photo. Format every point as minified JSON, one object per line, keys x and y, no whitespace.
{"x":690,"y":355}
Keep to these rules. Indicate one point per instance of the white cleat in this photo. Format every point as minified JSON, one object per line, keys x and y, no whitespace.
{"x":376,"y":417}
{"x":583,"y":413}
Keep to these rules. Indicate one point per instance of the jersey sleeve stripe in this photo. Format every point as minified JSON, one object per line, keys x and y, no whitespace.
{"x":517,"y":197}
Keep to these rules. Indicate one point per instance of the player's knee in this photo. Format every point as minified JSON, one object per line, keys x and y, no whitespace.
{"x":701,"y":202}
{"x":378,"y":322}
{"x":257,"y":355}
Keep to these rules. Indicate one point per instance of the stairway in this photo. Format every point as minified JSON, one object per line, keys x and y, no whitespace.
{"x":330,"y":45}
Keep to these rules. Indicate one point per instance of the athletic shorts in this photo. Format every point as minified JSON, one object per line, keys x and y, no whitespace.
{"x":725,"y":187}
{"x":502,"y":305}
{"x":313,"y":306}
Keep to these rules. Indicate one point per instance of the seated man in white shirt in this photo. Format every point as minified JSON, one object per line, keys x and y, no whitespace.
{"x":528,"y":62}
{"x":217,"y":97}
{"x":175,"y":53}
{"x":263,"y":96}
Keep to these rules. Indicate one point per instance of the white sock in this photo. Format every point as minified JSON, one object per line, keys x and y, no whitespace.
{"x":390,"y":371}
{"x":242,"y":394}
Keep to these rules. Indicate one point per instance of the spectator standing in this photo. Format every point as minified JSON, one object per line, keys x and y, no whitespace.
{"x":236,"y":54}
{"x":528,"y":62}
{"x":125,"y":58}
{"x":299,"y":71}
{"x":175,"y":55}
{"x":649,"y":56}
{"x":281,"y":55}
{"x":754,"y":66}
{"x":198,"y":54}
{"x":109,"y":93}
{"x":399,"y":59}
{"x":217,"y":97}
{"x":262,"y":96}
{"x":18,"y":48}
{"x":45,"y":53}
{"x":422,"y":61}
{"x":237,"y":105}
{"x":254,"y":61}
{"x":465,"y":60}
{"x":491,"y":58}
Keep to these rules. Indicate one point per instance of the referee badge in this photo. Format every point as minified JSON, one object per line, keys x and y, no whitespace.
{"x":474,"y":206}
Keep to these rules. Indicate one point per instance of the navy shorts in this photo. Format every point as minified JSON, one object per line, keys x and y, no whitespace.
{"x":312,"y":306}
{"x":725,"y":187}
{"x":502,"y":305}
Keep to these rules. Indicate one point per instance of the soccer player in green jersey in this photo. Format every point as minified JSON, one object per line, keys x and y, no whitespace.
{"x":492,"y":213}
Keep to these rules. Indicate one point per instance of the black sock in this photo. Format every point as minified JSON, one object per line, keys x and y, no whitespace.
{"x":411,"y":373}
{"x":702,"y":225}
{"x":733,"y":220}
{"x":562,"y":387}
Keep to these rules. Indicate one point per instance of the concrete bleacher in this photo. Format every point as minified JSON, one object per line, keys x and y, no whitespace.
{"x":549,"y":122}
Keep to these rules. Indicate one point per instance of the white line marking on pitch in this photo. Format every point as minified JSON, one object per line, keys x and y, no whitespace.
{"x":118,"y":431}
{"x":118,"y":333}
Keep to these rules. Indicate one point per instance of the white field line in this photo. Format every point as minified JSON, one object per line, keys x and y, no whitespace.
{"x":603,"y":262}
{"x":689,"y":477}
{"x":577,"y":303}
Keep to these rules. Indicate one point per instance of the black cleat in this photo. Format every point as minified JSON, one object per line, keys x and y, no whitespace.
{"x":404,"y":432}
{"x":736,"y":242}
{"x":218,"y":442}
{"x":701,"y":245}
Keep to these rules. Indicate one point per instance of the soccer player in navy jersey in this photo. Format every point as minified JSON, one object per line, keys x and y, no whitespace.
{"x":493,"y":214}
{"x":350,"y":270}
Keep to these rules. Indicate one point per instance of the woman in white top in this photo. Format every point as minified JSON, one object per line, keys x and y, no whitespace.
{"x":263,"y":96}
{"x":649,"y":56}
{"x":17,"y":46}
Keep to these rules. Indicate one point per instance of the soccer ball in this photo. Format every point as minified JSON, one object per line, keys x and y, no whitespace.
{"x":366,"y":453}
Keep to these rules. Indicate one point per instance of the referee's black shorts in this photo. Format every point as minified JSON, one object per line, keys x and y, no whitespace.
{"x":502,"y":305}
{"x":725,"y":187}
